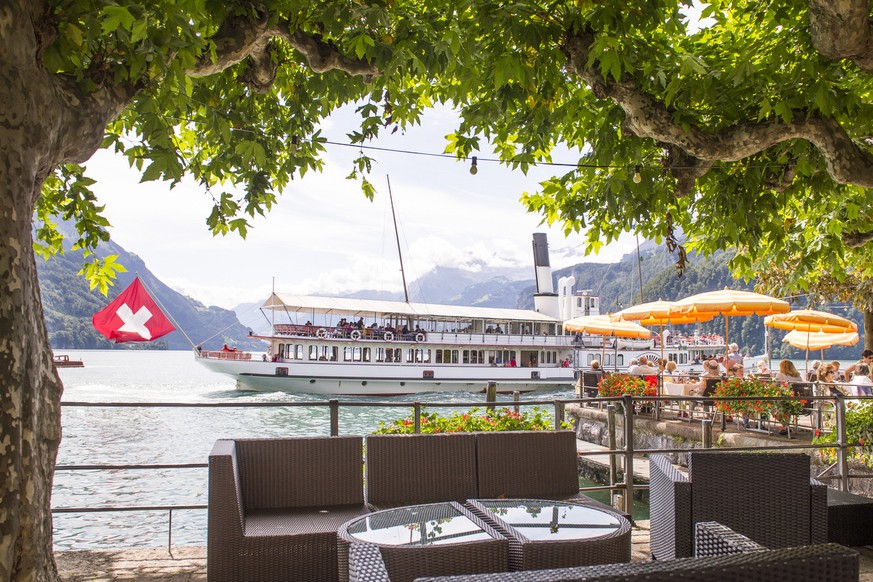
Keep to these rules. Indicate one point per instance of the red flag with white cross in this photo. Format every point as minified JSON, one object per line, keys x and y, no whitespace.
{"x":133,"y":316}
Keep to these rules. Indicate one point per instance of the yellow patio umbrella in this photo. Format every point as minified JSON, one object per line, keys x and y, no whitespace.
{"x":730,"y":303}
{"x":810,"y":320}
{"x":819,"y":340}
{"x":603,"y":325}
{"x":803,"y":323}
{"x":657,"y":313}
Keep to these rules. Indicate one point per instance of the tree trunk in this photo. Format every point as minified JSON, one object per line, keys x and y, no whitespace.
{"x":30,"y":389}
{"x":868,"y":330}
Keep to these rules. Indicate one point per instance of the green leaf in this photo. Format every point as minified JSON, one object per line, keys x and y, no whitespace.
{"x":117,"y":16}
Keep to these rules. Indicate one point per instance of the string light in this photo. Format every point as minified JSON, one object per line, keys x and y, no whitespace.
{"x":637,"y":176}
{"x":474,"y":169}
{"x":293,"y":147}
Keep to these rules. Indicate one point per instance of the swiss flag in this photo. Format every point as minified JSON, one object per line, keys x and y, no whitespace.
{"x":133,"y":316}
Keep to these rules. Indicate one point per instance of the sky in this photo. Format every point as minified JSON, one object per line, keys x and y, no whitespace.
{"x":325,"y":237}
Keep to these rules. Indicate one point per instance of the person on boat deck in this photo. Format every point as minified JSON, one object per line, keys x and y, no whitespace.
{"x":512,"y":363}
{"x":565,"y":363}
{"x":861,"y":380}
{"x":498,"y":330}
{"x":489,"y":329}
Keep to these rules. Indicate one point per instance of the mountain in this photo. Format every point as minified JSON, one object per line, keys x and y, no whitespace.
{"x":69,"y":304}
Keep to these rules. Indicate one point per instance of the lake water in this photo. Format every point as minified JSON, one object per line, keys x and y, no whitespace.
{"x":124,"y":436}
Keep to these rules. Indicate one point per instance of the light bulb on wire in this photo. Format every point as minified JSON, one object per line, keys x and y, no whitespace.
{"x":637,"y":176}
{"x":474,"y":169}
{"x":293,"y":146}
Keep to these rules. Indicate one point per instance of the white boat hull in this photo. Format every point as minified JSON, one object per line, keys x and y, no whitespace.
{"x":376,"y":380}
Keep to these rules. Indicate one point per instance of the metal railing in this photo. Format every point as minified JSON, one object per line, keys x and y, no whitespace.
{"x":627,"y":452}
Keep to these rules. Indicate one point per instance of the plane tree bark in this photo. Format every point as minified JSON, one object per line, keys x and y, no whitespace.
{"x":48,"y":120}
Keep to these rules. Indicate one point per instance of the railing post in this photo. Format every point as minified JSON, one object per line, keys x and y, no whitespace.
{"x":516,"y":397}
{"x":491,"y":394}
{"x":842,"y":441}
{"x":628,"y":454}
{"x":610,"y":435}
{"x":170,"y":535}
{"x":706,"y":427}
{"x":559,"y":414}
{"x":334,"y":417}
{"x":659,"y":393}
{"x":416,"y":412}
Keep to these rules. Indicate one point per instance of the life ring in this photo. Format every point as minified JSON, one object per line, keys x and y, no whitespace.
{"x":356,"y":334}
{"x":321,"y":333}
{"x":388,"y":336}
{"x":419,"y":337}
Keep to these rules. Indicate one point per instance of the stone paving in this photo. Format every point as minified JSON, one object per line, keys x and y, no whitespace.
{"x":188,"y":563}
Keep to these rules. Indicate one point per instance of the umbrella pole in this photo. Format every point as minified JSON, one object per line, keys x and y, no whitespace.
{"x":726,"y":336}
{"x":615,"y":355}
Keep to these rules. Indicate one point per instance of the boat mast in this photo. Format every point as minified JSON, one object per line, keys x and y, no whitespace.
{"x":397,"y":236}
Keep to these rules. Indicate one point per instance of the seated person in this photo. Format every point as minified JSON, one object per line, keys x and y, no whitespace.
{"x":861,"y":381}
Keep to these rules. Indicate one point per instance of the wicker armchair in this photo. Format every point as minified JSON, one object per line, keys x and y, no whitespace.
{"x":727,"y":556}
{"x":275,"y":506}
{"x":412,"y":469}
{"x":768,"y":497}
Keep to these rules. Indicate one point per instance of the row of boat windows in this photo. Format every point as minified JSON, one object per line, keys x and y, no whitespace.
{"x":413,"y":355}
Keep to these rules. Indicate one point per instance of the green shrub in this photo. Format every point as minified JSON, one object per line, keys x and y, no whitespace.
{"x":859,"y":429}
{"x":473,"y":421}
{"x":781,"y":410}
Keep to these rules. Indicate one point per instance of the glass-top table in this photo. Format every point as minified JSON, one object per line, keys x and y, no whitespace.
{"x":442,"y":523}
{"x":555,"y":534}
{"x":437,"y":539}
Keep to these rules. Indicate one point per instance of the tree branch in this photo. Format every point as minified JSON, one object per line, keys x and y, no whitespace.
{"x":645,"y":117}
{"x":239,"y":37}
{"x":841,"y":29}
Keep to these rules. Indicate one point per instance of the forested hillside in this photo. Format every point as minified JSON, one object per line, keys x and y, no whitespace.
{"x":69,"y":304}
{"x":618,"y":286}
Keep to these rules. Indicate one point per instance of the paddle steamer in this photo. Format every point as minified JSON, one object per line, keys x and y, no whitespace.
{"x":328,"y":345}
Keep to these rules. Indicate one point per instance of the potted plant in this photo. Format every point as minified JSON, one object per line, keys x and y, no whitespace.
{"x":621,"y":384}
{"x":781,"y":410}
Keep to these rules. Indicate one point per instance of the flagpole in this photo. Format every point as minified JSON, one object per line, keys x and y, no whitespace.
{"x":167,"y":311}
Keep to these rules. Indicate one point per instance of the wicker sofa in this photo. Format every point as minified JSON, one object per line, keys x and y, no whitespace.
{"x":768,"y":497}
{"x":484,"y":465}
{"x":275,"y":506}
{"x":722,"y":555}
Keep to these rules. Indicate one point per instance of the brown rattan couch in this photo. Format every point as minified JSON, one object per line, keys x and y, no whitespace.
{"x":768,"y":497}
{"x":275,"y":506}
{"x":485,"y":465}
{"x":411,"y":469}
{"x":725,"y":555}
{"x":540,"y":464}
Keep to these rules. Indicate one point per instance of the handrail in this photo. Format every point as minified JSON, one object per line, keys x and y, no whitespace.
{"x":842,"y":445}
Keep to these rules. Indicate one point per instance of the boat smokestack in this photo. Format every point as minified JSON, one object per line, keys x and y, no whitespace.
{"x":545,"y":299}
{"x":541,"y":264}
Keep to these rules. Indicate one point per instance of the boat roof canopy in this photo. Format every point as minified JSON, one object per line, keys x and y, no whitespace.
{"x":377,"y":308}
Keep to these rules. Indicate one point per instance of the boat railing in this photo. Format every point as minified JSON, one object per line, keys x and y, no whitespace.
{"x":392,"y":336}
{"x":836,"y":405}
{"x":226,"y":355}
